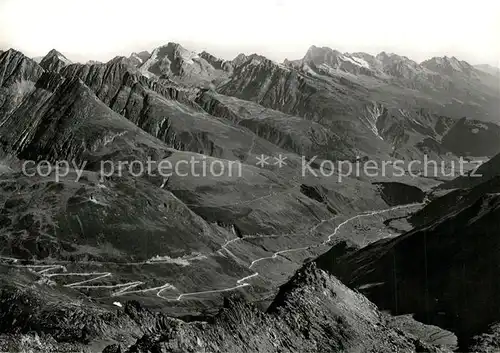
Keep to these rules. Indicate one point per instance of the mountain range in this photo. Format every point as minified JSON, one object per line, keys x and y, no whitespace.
{"x":272,"y":259}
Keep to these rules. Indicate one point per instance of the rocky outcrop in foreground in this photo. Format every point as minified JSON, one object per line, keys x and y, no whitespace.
{"x":313,"y":312}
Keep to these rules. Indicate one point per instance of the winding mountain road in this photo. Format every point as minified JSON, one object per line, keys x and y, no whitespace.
{"x":46,"y":271}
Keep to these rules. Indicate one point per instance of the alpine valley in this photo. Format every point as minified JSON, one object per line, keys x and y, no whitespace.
{"x":272,"y":257}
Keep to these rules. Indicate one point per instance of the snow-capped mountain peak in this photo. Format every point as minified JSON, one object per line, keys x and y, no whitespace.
{"x":217,"y":63}
{"x":323,"y":55}
{"x":177,"y":63}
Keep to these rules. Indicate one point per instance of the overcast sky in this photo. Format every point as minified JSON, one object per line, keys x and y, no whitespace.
{"x":279,"y":29}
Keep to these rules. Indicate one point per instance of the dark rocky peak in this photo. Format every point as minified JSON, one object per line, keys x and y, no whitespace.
{"x":257,"y":65}
{"x":210,"y":58}
{"x":365,"y":56}
{"x":448,"y":65}
{"x":54,"y":61}
{"x":15,"y":67}
{"x":217,"y":63}
{"x":52,"y":81}
{"x":109,"y":79}
{"x":373,"y":62}
{"x":256,"y":59}
{"x":294,"y":64}
{"x":462,"y":245}
{"x":68,"y":104}
{"x":457,"y":200}
{"x":315,"y":313}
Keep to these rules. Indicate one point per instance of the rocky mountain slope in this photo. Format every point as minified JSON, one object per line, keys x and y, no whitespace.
{"x":54,"y":61}
{"x":385,"y":104}
{"x":479,"y":138}
{"x":442,"y":271}
{"x":489,"y":69}
{"x":92,"y":114}
{"x":315,"y":312}
{"x":174,"y":62}
{"x":405,"y":105}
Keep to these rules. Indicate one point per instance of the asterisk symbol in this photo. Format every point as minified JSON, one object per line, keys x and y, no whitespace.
{"x":280,"y":161}
{"x":262,"y":161}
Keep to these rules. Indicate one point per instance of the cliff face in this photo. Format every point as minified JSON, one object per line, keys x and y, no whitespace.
{"x":292,"y":133}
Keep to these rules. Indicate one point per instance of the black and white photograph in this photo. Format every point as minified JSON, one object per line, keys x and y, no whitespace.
{"x":267,"y":176}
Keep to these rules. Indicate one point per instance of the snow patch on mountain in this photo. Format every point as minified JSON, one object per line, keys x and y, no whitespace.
{"x":64,"y":59}
{"x":135,"y":56}
{"x":187,"y":56}
{"x":355,"y":60}
{"x":373,"y":113}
